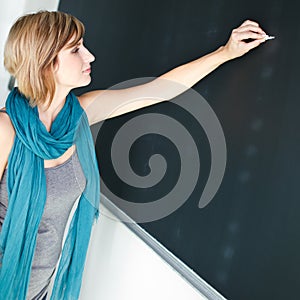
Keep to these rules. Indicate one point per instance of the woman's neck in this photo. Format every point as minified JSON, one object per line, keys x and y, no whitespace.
{"x":48,"y":113}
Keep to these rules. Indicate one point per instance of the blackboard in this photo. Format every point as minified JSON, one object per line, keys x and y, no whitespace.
{"x":246,"y":241}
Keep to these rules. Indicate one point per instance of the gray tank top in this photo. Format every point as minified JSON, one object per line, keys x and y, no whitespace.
{"x":65,"y":184}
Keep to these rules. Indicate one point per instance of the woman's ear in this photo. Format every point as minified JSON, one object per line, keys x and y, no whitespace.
{"x":55,"y":65}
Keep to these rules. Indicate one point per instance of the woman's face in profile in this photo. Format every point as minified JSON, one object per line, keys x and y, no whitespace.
{"x":73,"y":66}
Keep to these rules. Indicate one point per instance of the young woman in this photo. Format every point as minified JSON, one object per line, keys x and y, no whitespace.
{"x":43,"y":126}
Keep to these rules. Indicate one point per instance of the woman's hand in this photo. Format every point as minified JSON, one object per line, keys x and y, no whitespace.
{"x":244,"y":38}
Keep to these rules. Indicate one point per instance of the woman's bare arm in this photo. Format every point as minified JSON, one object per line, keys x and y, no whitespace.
{"x":7,"y":134}
{"x":104,"y":104}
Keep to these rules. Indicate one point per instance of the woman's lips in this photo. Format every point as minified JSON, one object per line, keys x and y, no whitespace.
{"x":88,"y":70}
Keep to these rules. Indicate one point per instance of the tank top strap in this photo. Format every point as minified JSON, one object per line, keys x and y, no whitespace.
{"x":3,"y":110}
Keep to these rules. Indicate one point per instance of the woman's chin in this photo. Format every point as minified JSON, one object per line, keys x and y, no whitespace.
{"x":85,"y":82}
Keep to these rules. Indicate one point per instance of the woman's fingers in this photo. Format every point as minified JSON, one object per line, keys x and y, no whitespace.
{"x":249,"y":22}
{"x":253,"y":44}
{"x":245,"y":35}
{"x":249,"y":27}
{"x":244,"y":38}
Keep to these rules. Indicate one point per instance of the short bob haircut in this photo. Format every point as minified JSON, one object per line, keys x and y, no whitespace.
{"x":31,"y":51}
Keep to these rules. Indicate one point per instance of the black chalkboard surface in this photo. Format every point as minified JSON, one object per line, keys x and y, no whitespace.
{"x":246,"y":241}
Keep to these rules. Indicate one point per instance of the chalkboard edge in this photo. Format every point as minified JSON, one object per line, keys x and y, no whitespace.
{"x":180,"y":267}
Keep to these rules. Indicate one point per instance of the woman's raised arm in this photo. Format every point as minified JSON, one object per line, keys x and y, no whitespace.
{"x":104,"y":104}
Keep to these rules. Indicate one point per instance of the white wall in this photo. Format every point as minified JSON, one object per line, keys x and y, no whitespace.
{"x":120,"y":266}
{"x":9,"y":12}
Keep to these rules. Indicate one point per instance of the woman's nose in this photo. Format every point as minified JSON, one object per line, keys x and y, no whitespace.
{"x":88,"y":56}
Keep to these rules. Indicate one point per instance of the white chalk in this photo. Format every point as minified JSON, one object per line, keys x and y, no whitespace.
{"x":269,"y":37}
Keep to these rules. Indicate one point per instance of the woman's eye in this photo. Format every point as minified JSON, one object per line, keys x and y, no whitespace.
{"x":75,"y":50}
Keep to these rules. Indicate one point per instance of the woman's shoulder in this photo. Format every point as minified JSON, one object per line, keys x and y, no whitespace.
{"x":7,"y":133}
{"x":6,"y":127}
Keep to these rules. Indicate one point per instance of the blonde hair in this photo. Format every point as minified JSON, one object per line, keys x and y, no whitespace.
{"x":31,"y":50}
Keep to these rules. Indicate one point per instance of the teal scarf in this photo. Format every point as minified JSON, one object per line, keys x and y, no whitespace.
{"x":26,"y":185}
